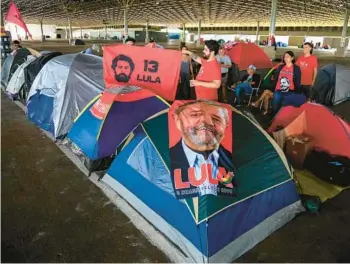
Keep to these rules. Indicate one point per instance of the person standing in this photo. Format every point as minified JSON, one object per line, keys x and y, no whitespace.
{"x":186,"y":74}
{"x":308,"y":65}
{"x":208,"y":79}
{"x":16,"y":45}
{"x":225,"y":63}
{"x":130,"y":41}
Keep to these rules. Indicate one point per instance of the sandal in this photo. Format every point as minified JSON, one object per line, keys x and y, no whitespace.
{"x":254,"y":104}
{"x":265,"y":113}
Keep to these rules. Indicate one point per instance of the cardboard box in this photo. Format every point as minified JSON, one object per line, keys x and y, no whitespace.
{"x":297,"y":148}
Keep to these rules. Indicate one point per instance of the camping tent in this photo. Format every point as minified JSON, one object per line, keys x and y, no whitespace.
{"x":63,"y":87}
{"x":329,"y":132}
{"x":21,"y":80}
{"x":208,"y":228}
{"x":12,"y":62}
{"x":33,"y":69}
{"x":77,"y":42}
{"x":95,"y":139}
{"x":17,"y":80}
{"x":244,"y":54}
{"x":332,"y":85}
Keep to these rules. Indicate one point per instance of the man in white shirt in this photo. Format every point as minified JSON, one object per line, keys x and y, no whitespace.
{"x":202,"y":125}
{"x":225,"y":63}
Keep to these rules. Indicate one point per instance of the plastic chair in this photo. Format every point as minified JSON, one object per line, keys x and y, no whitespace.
{"x":256,"y":90}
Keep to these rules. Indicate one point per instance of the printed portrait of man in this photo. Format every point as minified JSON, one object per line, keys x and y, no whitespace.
{"x":123,"y":66}
{"x":285,"y":84}
{"x":202,"y":125}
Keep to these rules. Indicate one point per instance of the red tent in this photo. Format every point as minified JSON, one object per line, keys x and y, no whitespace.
{"x":245,"y":54}
{"x":330,"y":133}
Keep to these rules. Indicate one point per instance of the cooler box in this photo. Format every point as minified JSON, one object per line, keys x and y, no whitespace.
{"x":297,"y":148}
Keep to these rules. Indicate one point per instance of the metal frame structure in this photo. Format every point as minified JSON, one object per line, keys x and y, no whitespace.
{"x":218,"y":13}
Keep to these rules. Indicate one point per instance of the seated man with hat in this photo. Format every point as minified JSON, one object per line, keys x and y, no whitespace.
{"x":250,"y":80}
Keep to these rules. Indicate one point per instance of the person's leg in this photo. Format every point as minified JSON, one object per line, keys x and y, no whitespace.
{"x":261,"y":98}
{"x":306,"y":90}
{"x":224,"y":88}
{"x":238,"y":91}
{"x":186,"y":86}
{"x":247,"y":88}
{"x":277,"y":101}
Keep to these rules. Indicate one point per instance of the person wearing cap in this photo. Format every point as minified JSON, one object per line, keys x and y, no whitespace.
{"x":250,"y":80}
{"x":225,"y":63}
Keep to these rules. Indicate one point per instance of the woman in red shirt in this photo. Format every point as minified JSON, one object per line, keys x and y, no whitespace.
{"x":308,"y":65}
{"x":287,"y":78}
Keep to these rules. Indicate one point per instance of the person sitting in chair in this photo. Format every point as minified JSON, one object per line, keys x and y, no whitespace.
{"x":250,"y":80}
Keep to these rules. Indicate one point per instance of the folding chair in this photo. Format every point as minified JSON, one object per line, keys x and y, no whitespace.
{"x":256,"y":90}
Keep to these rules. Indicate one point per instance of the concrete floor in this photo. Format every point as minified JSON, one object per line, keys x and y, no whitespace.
{"x":50,"y":211}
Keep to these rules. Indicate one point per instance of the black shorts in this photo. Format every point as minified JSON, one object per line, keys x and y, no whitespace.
{"x":306,"y":90}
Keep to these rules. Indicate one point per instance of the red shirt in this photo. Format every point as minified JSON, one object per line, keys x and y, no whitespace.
{"x":307,"y":66}
{"x":210,"y":71}
{"x":285,"y":79}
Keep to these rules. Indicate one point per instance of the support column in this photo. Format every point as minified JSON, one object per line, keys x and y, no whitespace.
{"x":184,"y":33}
{"x":199,"y":34}
{"x":273,"y":19}
{"x":42,"y":30}
{"x":2,"y":21}
{"x":67,"y":37}
{"x":70,"y":29}
{"x":257,"y":33}
{"x":126,"y":31}
{"x":341,"y":50}
{"x":147,"y":35}
{"x":270,"y":50}
{"x":345,"y":27}
{"x":81,"y":33}
{"x":105,"y":31}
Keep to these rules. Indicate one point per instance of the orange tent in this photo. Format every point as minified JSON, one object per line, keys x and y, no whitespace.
{"x":330,"y":133}
{"x":245,"y":54}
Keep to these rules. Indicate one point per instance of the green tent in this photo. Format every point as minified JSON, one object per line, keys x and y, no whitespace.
{"x":208,"y":228}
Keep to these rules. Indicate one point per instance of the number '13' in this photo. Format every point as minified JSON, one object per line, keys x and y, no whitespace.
{"x":151,"y":66}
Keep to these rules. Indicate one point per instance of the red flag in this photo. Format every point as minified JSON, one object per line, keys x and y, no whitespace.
{"x":156,"y":70}
{"x":14,"y":16}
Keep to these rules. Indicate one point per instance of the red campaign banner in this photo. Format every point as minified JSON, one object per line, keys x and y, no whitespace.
{"x":101,"y":107}
{"x":156,"y":70}
{"x":200,"y":146}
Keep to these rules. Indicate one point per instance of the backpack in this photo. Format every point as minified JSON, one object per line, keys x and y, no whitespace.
{"x":332,"y":169}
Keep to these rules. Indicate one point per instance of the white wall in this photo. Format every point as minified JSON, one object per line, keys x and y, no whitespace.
{"x":34,"y":29}
{"x":314,"y":40}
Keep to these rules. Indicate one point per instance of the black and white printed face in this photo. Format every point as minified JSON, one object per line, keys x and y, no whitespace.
{"x":284,"y":84}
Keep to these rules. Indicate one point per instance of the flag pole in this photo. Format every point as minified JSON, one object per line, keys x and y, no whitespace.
{"x":17,"y":33}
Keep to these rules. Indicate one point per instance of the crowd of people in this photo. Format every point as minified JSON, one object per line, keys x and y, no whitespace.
{"x":292,"y":81}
